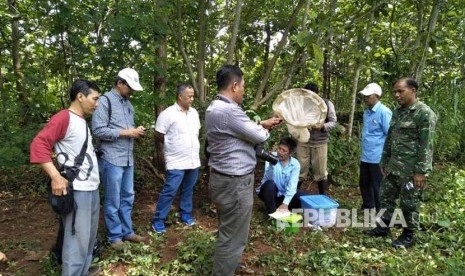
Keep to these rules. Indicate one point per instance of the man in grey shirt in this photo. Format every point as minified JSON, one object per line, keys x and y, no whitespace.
{"x":113,"y":124}
{"x":231,"y":137}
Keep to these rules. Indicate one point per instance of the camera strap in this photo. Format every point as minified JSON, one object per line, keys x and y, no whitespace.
{"x":221,"y":98}
{"x":80,"y":158}
{"x":77,"y":164}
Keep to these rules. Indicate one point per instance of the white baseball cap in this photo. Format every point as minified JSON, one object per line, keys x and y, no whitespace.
{"x":370,"y":89}
{"x":131,"y":77}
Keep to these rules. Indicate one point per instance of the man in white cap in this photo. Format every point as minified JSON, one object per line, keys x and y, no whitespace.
{"x":113,"y":124}
{"x":376,"y":118}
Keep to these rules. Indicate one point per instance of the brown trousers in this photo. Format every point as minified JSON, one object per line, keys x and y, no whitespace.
{"x":318,"y":155}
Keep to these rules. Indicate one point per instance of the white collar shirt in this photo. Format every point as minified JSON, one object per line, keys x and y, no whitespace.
{"x":181,"y":143}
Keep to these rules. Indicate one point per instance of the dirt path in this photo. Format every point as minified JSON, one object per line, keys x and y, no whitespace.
{"x":28,"y":227}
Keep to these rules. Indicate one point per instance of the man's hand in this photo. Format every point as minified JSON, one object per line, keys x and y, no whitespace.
{"x":271,"y":123}
{"x":382,"y":171}
{"x":133,"y":132}
{"x":319,"y":127}
{"x":283,"y":208}
{"x":59,"y":185}
{"x":419,"y":180}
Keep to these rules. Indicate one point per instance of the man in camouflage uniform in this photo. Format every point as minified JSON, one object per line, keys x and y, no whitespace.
{"x":406,"y":161}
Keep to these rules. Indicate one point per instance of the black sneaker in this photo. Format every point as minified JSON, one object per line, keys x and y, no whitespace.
{"x":378,"y":232}
{"x":405,"y":240}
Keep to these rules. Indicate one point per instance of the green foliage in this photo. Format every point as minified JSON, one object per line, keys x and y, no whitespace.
{"x":15,"y":145}
{"x":106,"y":36}
{"x":448,"y":101}
{"x":138,"y":259}
{"x":49,"y":267}
{"x":349,"y":252}
{"x":195,"y":254}
{"x":343,"y":159}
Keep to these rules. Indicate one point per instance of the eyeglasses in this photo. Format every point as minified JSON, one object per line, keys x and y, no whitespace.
{"x":126,"y":83}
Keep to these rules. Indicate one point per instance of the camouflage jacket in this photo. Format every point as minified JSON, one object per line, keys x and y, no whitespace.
{"x":408,"y":148}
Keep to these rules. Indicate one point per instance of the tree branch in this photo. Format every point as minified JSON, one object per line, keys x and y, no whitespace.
{"x":178,"y":38}
{"x":278,"y":50}
{"x":235,"y":30}
{"x":284,"y":83}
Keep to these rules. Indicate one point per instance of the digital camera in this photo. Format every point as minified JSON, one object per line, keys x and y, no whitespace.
{"x":263,"y":154}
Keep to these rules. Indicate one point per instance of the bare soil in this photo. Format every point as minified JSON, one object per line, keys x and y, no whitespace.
{"x":28,"y":228}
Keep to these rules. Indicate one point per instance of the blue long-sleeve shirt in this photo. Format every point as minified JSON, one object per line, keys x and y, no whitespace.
{"x":375,"y":129}
{"x":285,"y":178}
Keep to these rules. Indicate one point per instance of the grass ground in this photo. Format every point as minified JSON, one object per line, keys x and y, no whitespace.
{"x":27,"y":230}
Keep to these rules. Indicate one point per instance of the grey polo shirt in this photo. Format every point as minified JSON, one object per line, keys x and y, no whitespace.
{"x":116,"y":150}
{"x":231,"y":137}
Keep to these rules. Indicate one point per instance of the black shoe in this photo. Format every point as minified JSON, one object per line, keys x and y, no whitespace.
{"x":405,"y":240}
{"x":299,"y":184}
{"x":323,"y":187}
{"x":378,"y":232}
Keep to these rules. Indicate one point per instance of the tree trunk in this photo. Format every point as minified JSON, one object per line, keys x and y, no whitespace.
{"x":159,"y":80}
{"x":3,"y":96}
{"x":177,"y":33}
{"x":15,"y":46}
{"x":358,"y":68}
{"x":235,"y":30}
{"x":417,"y":43}
{"x":326,"y":74}
{"x":201,"y":50}
{"x":266,"y":56}
{"x":159,"y":87}
{"x":418,"y":73}
{"x":327,"y":54}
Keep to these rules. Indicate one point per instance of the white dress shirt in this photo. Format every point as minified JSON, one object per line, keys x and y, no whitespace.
{"x":181,"y":130}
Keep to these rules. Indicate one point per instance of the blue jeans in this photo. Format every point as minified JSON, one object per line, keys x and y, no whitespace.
{"x":78,"y":248}
{"x":118,"y":189}
{"x":174,"y":179}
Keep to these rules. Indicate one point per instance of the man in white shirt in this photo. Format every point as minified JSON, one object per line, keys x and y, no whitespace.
{"x":178,"y":127}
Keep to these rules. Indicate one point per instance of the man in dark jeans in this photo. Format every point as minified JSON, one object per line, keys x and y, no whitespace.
{"x":376,"y":118}
{"x":279,"y":184}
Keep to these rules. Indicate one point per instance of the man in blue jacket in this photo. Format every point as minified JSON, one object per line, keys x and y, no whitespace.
{"x":278,"y":189}
{"x":376,"y":118}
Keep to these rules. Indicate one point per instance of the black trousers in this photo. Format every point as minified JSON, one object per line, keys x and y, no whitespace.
{"x":370,"y":182}
{"x":269,"y":195}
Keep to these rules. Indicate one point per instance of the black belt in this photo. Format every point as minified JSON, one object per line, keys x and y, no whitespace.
{"x":229,"y":175}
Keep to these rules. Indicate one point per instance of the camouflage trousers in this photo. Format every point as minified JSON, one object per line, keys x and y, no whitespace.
{"x":395,"y":187}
